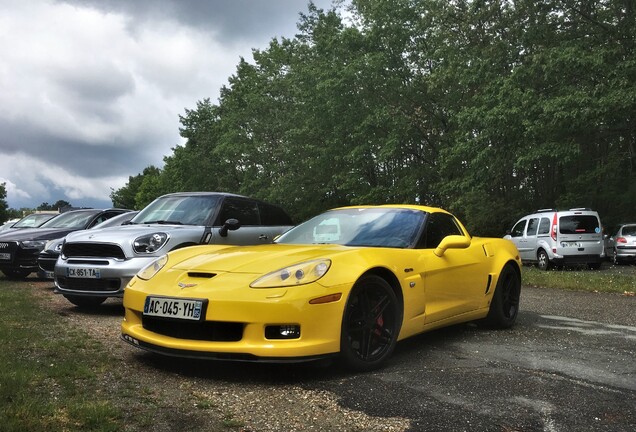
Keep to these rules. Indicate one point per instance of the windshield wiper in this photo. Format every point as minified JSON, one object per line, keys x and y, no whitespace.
{"x":163,"y":222}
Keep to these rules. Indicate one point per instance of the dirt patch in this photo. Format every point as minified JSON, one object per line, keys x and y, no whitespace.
{"x":196,"y":395}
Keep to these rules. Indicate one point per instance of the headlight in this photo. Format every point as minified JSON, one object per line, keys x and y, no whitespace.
{"x":151,"y":269}
{"x":150,"y":243}
{"x":54,"y":245}
{"x":33,"y":244}
{"x":298,"y":274}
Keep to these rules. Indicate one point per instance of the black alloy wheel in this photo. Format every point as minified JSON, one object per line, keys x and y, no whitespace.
{"x":370,"y":325}
{"x":504,"y":306}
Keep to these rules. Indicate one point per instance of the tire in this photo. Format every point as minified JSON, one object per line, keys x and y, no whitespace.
{"x":16,"y":274}
{"x":504,"y":306}
{"x":543,"y":261}
{"x":85,"y":302}
{"x":370,"y":324}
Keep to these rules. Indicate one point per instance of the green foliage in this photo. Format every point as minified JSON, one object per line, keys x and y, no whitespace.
{"x":4,"y":208}
{"x":489,"y":109}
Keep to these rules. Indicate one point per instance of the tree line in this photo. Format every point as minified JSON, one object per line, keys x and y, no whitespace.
{"x":490,"y":109}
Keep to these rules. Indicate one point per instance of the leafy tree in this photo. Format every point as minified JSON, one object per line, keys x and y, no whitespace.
{"x":4,"y":208}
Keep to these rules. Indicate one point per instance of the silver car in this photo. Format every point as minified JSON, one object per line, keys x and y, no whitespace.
{"x":97,"y":264}
{"x":621,"y":247}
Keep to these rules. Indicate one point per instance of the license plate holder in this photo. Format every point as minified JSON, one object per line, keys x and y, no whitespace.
{"x":175,"y":308}
{"x":84,"y":273}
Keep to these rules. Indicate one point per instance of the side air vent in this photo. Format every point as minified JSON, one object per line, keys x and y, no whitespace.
{"x":488,"y":284}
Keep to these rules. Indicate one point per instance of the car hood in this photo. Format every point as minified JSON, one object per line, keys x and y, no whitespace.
{"x":125,"y":232}
{"x":253,"y":259}
{"x":36,"y":234}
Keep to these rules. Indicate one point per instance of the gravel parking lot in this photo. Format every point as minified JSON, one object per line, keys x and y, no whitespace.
{"x":567,"y":366}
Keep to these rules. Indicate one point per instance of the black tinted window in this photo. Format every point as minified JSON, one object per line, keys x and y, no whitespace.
{"x":438,"y":226}
{"x":579,"y":224}
{"x":245,"y":211}
{"x":533,"y":224}
{"x":544,"y":226}
{"x":517,"y":230}
{"x":273,"y":216}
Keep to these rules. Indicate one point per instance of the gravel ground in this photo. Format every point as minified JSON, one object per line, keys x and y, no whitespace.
{"x":197,"y":395}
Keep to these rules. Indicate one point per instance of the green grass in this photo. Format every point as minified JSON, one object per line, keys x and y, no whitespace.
{"x":49,"y":373}
{"x":620,"y":279}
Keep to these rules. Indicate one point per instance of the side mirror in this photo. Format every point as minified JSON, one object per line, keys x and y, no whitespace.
{"x":229,"y":225}
{"x":451,"y":242}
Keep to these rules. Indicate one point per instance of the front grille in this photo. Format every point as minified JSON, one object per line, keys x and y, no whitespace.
{"x":216,"y":331}
{"x":103,"y":250}
{"x":97,"y":285}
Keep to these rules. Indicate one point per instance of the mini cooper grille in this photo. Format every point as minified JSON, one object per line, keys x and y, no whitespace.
{"x":216,"y":331}
{"x":93,"y":250}
{"x":97,"y":285}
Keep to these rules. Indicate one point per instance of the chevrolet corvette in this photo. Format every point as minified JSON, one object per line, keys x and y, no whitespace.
{"x":349,"y":283}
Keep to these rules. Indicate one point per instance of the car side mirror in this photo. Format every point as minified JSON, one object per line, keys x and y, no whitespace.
{"x":229,"y":225}
{"x":451,"y":242}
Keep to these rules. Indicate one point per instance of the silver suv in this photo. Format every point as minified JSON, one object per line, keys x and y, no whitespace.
{"x":98,"y":263}
{"x":556,"y":238}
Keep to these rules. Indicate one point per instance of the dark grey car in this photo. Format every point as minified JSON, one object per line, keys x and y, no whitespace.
{"x":99,"y":263}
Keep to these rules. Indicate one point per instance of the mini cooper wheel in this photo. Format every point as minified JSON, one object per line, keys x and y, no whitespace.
{"x":504,"y":306}
{"x":543,"y":261}
{"x":370,"y":325}
{"x":85,"y":302}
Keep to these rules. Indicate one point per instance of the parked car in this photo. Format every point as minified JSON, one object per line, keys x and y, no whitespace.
{"x":386,"y":273}
{"x":621,"y":247}
{"x":97,"y":265}
{"x":556,"y":238}
{"x":52,"y":249}
{"x":19,"y":249}
{"x":33,"y":220}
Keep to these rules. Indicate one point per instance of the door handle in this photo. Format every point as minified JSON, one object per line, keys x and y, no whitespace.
{"x":263,"y":237}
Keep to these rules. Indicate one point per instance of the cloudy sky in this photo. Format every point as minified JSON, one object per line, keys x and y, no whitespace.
{"x":91,"y":90}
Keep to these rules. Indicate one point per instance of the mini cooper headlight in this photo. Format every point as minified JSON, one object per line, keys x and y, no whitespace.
{"x":297,"y":274}
{"x":150,"y":243}
{"x":151,"y":269}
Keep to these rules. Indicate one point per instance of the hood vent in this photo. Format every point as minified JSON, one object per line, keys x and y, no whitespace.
{"x":201,"y":275}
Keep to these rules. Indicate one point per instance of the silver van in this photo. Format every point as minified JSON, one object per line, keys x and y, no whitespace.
{"x":556,"y":238}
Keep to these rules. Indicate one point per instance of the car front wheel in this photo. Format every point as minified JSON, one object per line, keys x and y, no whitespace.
{"x":370,"y":325}
{"x":504,"y":305}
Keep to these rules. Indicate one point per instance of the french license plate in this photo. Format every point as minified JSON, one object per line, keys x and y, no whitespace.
{"x":86,"y":273}
{"x":572,"y":245}
{"x":5,"y":256}
{"x":174,"y":308}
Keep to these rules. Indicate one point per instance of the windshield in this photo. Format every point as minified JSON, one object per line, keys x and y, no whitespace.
{"x":179,"y":210}
{"x":33,"y":220}
{"x":377,"y":227}
{"x":73,"y":219}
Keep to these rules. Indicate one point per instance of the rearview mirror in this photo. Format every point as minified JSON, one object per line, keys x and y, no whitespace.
{"x":451,"y":242}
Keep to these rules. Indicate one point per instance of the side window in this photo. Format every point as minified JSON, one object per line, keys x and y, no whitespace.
{"x":533,"y":224}
{"x":273,"y":216}
{"x":438,"y":226}
{"x":245,"y":211}
{"x":544,"y":226}
{"x":518,"y":229}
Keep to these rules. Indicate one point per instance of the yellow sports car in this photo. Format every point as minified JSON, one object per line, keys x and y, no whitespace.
{"x":350,"y":282}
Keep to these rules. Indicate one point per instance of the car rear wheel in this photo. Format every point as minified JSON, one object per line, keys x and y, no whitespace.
{"x":370,"y":325}
{"x":85,"y":302}
{"x":543,"y":261}
{"x":504,"y":306}
{"x":16,"y":274}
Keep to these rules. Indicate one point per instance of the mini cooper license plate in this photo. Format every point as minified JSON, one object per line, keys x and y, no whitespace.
{"x":86,"y":273}
{"x":174,"y":308}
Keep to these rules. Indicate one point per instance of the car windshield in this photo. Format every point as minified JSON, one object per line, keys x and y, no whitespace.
{"x":73,"y":219}
{"x":33,"y":220}
{"x":374,"y":227}
{"x":179,"y":210}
